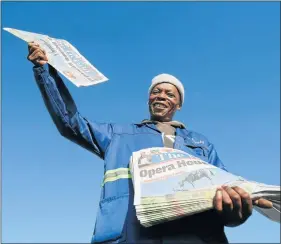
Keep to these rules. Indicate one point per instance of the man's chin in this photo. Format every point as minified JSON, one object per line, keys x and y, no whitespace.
{"x":158,"y":116}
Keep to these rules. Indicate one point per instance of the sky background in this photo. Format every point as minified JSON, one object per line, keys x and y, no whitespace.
{"x":227,"y":56}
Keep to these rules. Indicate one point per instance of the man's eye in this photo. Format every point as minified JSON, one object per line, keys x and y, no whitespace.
{"x":171,"y":95}
{"x":155,"y":92}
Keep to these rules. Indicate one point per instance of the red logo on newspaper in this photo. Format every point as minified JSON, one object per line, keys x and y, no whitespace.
{"x":69,"y":74}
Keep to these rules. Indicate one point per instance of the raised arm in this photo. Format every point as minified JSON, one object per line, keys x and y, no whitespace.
{"x":95,"y":137}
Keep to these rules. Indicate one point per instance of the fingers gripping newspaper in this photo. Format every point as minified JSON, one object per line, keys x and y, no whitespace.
{"x":64,"y":57}
{"x":171,"y":184}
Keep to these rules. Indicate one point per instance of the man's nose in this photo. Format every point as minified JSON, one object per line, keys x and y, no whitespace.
{"x":161,"y":97}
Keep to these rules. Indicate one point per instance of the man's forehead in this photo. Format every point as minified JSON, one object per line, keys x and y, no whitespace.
{"x":166,"y":85}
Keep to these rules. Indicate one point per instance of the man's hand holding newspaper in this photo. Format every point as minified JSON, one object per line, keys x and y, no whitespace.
{"x":171,"y":184}
{"x":36,"y":54}
{"x":235,"y":205}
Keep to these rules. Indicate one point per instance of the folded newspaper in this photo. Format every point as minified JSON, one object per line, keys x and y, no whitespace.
{"x":171,"y":184}
{"x":64,"y":57}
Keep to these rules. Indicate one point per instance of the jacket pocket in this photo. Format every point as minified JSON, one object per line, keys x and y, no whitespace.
{"x":110,"y":221}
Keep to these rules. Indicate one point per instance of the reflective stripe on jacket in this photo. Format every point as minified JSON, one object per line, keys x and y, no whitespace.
{"x":116,"y":220}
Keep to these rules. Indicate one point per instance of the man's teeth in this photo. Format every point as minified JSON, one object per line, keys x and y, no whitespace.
{"x":158,"y":105}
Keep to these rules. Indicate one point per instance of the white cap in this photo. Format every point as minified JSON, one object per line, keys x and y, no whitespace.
{"x":168,"y":79}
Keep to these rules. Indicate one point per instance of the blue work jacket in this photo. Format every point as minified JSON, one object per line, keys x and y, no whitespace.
{"x":116,"y":220}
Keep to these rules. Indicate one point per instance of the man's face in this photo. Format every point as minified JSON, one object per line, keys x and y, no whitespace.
{"x":164,"y":100}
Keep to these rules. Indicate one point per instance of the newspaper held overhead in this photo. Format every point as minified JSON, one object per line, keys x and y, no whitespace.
{"x":64,"y":57}
{"x":171,"y":184}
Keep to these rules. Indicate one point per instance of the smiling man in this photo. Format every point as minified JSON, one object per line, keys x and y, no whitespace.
{"x":166,"y":94}
{"x":116,"y":220}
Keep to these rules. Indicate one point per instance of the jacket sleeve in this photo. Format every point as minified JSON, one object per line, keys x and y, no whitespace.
{"x":95,"y":137}
{"x":214,"y":158}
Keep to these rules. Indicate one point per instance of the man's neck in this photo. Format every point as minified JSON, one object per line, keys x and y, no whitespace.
{"x":171,"y":123}
{"x":161,"y":120}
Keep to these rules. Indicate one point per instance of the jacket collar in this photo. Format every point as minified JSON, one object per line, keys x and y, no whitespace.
{"x":173,"y":123}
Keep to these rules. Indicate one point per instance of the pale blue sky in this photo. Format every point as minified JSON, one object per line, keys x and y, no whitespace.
{"x":226,"y":54}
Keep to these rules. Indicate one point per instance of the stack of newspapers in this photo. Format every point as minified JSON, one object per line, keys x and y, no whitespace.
{"x":171,"y":184}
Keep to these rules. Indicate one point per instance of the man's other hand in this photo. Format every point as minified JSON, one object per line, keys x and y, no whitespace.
{"x":235,"y":205}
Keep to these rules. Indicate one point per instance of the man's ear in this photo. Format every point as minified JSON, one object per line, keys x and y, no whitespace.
{"x":178,"y":107}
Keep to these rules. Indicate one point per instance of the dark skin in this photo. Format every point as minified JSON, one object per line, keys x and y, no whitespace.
{"x":36,"y":55}
{"x":233,"y":204}
{"x":164,"y":101}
